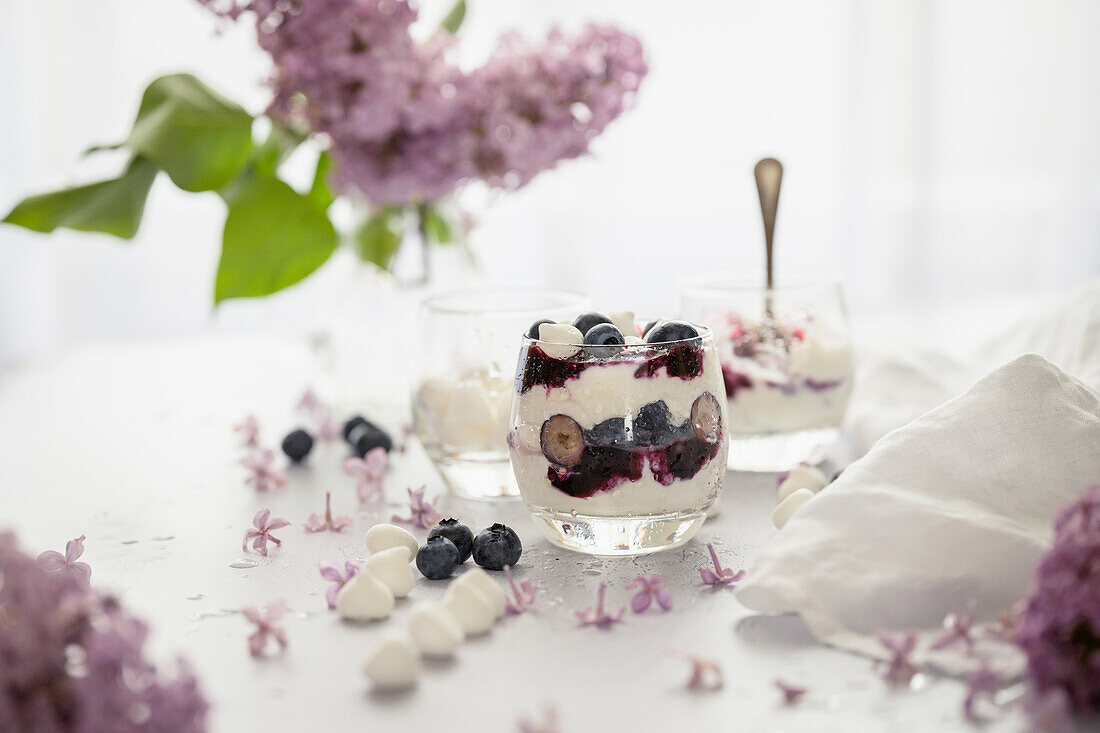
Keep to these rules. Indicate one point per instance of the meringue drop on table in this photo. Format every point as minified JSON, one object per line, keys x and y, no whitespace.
{"x":463,"y":392}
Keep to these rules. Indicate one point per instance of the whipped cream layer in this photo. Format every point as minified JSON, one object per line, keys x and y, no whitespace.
{"x":617,"y":389}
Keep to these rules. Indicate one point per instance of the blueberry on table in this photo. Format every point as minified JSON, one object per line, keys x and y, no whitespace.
{"x":602,"y":340}
{"x":496,"y":547}
{"x":456,"y":532}
{"x":562,"y":440}
{"x":351,"y":425}
{"x":585,"y":321}
{"x":671,"y":331}
{"x":297,"y":445}
{"x":533,"y":331}
{"x":368,"y":436}
{"x":437,"y":559}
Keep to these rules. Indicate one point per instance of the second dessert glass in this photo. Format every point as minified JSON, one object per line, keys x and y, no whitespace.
{"x":786,"y":360}
{"x":463,"y":395}
{"x":620,"y":453}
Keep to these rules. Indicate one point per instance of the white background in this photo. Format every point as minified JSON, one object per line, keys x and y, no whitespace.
{"x":936,"y":152}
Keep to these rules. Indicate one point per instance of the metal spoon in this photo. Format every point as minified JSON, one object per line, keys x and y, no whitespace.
{"x":769,"y":177}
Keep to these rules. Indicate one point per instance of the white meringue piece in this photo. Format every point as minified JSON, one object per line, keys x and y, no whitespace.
{"x":488,"y":587}
{"x":364,"y":598}
{"x":393,"y":663}
{"x":634,"y":341}
{"x":435,"y":631}
{"x":801,"y":477}
{"x":624,"y":321}
{"x":470,"y":606}
{"x":786,"y":509}
{"x":391,"y":566}
{"x":384,"y":536}
{"x":560,"y":341}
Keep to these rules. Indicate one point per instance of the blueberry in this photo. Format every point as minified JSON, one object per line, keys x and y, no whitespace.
{"x":458,"y":533}
{"x":367,"y":436}
{"x":496,"y":547}
{"x":648,"y":327}
{"x":611,"y":431}
{"x":653,"y":424}
{"x":706,"y":417}
{"x":437,"y":559}
{"x":562,"y":440}
{"x":533,"y":331}
{"x":602,"y":340}
{"x":671,"y":331}
{"x":586,"y":321}
{"x":297,"y":445}
{"x":351,"y":425}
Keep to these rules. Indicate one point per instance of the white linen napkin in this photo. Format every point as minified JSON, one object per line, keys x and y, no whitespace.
{"x":897,"y":386}
{"x":952,"y":508}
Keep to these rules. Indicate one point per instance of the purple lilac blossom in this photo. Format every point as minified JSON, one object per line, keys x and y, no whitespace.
{"x":405,"y":123}
{"x":73,"y":660}
{"x":1059,"y":628}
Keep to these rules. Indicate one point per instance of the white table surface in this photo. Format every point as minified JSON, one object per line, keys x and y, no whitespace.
{"x":131,"y":444}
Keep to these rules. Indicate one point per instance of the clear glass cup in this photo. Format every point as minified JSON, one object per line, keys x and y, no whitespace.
{"x":620,"y":453}
{"x":786,"y":360}
{"x":463,"y":391}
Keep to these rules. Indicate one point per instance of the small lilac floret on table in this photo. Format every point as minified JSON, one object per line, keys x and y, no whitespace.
{"x":597,"y":615}
{"x":338,"y":576}
{"x":650,"y":589}
{"x":319,"y":522}
{"x":263,"y":474}
{"x":422,"y":513}
{"x":523,"y":594}
{"x":260,"y":531}
{"x":719,"y":575}
{"x":369,"y":473}
{"x":268,"y":626}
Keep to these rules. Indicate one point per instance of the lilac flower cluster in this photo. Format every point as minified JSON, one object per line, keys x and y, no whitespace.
{"x":72,"y":659}
{"x":1059,"y":628}
{"x":405,"y":123}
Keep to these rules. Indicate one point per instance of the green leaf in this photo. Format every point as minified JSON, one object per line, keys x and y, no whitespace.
{"x":280,"y":143}
{"x":454,"y":17}
{"x":273,"y":237}
{"x":198,"y":137}
{"x":435,"y":226}
{"x":378,"y":239}
{"x":320,"y":193}
{"x":112,"y":207}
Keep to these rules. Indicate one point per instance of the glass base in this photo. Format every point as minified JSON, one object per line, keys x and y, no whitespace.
{"x":617,"y":536}
{"x":487,"y":478}
{"x":779,"y":451}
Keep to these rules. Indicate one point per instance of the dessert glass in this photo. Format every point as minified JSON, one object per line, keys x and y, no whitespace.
{"x":463,"y":391}
{"x":787,"y":364}
{"x":620,"y":454}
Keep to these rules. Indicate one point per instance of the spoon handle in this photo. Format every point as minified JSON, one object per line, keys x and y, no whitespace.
{"x":769,"y":177}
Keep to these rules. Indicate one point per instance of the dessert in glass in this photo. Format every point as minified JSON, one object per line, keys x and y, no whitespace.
{"x":463,"y":392}
{"x":787,"y":365}
{"x":618,"y":442}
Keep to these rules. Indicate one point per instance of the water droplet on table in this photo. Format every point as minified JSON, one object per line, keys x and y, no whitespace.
{"x":129,"y":542}
{"x":591,"y":571}
{"x":196,"y":597}
{"x":243,"y":564}
{"x":164,"y":538}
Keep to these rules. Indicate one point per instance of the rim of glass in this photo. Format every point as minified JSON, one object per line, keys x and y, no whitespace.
{"x":705,"y":336}
{"x":737,"y":281}
{"x":552,"y":298}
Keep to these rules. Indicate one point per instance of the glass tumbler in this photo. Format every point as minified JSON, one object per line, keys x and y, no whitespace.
{"x":463,"y":391}
{"x":619,"y":450}
{"x":786,"y":362}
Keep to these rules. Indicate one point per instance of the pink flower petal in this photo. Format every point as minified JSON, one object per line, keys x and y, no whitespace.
{"x":277,"y":523}
{"x":260,"y":520}
{"x":83,"y":572}
{"x":664,"y":598}
{"x":252,"y":614}
{"x":52,"y":560}
{"x":256,"y":642}
{"x":640,"y":601}
{"x":74,"y":549}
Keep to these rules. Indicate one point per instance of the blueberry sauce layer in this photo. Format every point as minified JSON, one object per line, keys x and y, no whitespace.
{"x":735,"y":381}
{"x":602,"y":468}
{"x":539,"y":369}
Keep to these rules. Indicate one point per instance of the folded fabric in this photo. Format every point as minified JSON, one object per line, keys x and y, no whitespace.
{"x":895,"y":387}
{"x":953,"y":508}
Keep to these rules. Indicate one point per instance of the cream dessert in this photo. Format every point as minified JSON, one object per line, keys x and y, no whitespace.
{"x":782,"y":378}
{"x":622,"y":428}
